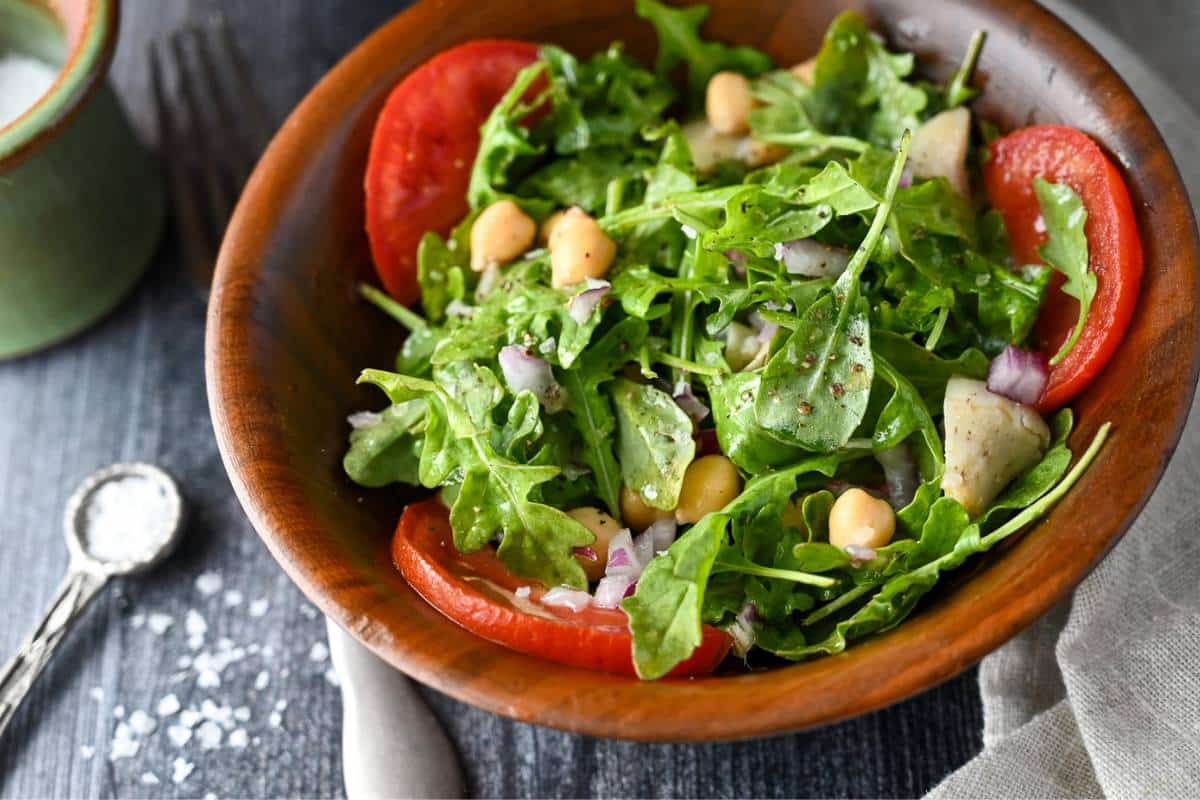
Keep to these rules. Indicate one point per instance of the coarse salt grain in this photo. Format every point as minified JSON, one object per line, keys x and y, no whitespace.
{"x":180,"y":770}
{"x":275,"y":720}
{"x":194,"y":624}
{"x":332,"y":678}
{"x":259,"y":607}
{"x":123,"y":744}
{"x":127,"y":518}
{"x":167,"y":706}
{"x":308,"y":611}
{"x":239,"y":738}
{"x":137,"y":621}
{"x":209,"y":735}
{"x":208,"y":583}
{"x":118,"y":711}
{"x":159,"y":623}
{"x":281,"y":705}
{"x":190,"y":717}
{"x":242,"y":713}
{"x":97,"y":694}
{"x":234,"y":598}
{"x":150,"y":779}
{"x":318,"y":652}
{"x":86,"y":751}
{"x":142,"y":723}
{"x":262,"y":680}
{"x":179,"y":735}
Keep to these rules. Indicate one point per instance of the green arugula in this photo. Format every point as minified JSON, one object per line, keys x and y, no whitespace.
{"x":1066,"y":250}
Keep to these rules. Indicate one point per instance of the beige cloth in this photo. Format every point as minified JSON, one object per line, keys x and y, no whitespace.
{"x":1101,"y":698}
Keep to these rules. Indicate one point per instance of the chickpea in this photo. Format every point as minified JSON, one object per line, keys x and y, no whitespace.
{"x":709,"y":484}
{"x":549,"y":224}
{"x":579,"y":249}
{"x":500,"y":233}
{"x":605,"y":528}
{"x":727,"y":103}
{"x":806,"y":71}
{"x":759,"y":154}
{"x":637,"y":513}
{"x":857,"y":518}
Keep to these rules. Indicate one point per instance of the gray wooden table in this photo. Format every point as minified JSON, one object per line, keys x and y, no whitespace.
{"x":133,"y":388}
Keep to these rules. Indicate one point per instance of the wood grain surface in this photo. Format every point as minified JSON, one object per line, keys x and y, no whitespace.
{"x":133,"y":388}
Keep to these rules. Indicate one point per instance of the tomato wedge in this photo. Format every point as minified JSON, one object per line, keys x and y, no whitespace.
{"x":479,"y":593}
{"x":1064,"y":155}
{"x":423,"y":147}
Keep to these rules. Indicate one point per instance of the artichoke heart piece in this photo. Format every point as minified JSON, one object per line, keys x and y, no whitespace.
{"x":989,"y":441}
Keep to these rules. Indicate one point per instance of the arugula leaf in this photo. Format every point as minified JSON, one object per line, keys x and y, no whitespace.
{"x":389,"y":449}
{"x":679,"y":40}
{"x":816,"y":387}
{"x":442,"y":269}
{"x":503,"y":142}
{"x":958,"y":90}
{"x":742,"y":439}
{"x":1066,"y":250}
{"x":926,"y":371}
{"x":654,"y":442}
{"x":536,"y":541}
{"x":591,"y":409}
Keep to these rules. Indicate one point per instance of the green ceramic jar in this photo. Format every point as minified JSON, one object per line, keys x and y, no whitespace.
{"x":81,"y":202}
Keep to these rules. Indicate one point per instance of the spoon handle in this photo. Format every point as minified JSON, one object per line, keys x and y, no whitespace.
{"x":20,"y":673}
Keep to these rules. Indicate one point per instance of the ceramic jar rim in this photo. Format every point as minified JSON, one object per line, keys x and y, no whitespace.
{"x":85,"y":68}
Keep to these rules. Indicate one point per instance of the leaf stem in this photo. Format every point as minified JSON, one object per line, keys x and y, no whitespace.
{"x":957,"y":91}
{"x":838,"y":603}
{"x":685,"y":365}
{"x":407,"y":317}
{"x":771,"y":572}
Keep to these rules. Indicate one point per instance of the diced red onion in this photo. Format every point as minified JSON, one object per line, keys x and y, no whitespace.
{"x":1018,"y":375}
{"x":691,"y":405}
{"x":900,"y":472}
{"x":525,"y":371}
{"x":611,"y":590}
{"x":623,"y":559}
{"x":562,"y":597}
{"x":860,"y":553}
{"x":584,"y":303}
{"x":661,"y":533}
{"x":744,"y":629}
{"x":643,"y":549}
{"x":587,"y":553}
{"x":737,"y":259}
{"x":632,"y":588}
{"x":906,"y":176}
{"x":812,"y":259}
{"x":706,"y":442}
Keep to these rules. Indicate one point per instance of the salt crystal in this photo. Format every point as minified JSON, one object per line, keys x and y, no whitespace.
{"x":142,"y":723}
{"x":195,"y":642}
{"x":208,"y":583}
{"x":209,"y":735}
{"x":123,"y":744}
{"x":180,"y":770}
{"x":159,"y":623}
{"x":150,"y":779}
{"x":241,"y":713}
{"x":127,"y":518}
{"x":86,"y":751}
{"x":97,"y":694}
{"x":262,"y":680}
{"x":332,"y":677}
{"x":233,"y":598}
{"x":179,"y":735}
{"x":281,"y":705}
{"x":210,"y":796}
{"x":259,"y":607}
{"x":208,"y":679}
{"x":190,"y":717}
{"x":183,"y":662}
{"x":318,"y":652}
{"x":253,"y":648}
{"x":308,"y":611}
{"x":194,"y":624}
{"x":137,"y":621}
{"x":118,"y":711}
{"x":239,"y":738}
{"x":275,"y":720}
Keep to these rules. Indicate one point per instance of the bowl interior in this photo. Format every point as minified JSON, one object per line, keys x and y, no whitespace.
{"x":287,"y":336}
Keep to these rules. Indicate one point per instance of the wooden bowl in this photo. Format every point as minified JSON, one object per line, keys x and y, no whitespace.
{"x":287,"y":336}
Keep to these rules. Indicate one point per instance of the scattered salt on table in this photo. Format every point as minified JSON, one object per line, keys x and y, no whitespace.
{"x":167,"y":706}
{"x":180,"y":770}
{"x":208,"y":583}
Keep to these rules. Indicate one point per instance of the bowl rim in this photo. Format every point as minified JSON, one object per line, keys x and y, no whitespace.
{"x":83,"y":71}
{"x":943,"y":653}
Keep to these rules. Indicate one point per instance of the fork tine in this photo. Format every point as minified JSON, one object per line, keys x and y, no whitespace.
{"x":198,"y":251}
{"x":217,"y":198}
{"x":244,"y":151}
{"x":259,"y":116}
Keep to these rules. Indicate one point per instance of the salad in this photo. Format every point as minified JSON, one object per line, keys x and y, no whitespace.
{"x":723,"y":355}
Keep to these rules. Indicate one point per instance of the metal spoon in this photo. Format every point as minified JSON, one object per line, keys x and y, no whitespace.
{"x":88,"y":572}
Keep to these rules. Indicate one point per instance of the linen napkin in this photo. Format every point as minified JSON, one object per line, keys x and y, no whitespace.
{"x":1101,"y":698}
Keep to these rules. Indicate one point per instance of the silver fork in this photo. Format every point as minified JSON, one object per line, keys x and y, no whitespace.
{"x":210,"y":140}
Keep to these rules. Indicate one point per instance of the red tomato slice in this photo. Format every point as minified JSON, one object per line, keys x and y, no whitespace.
{"x":479,"y":593}
{"x":424,"y":144}
{"x":1064,"y":155}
